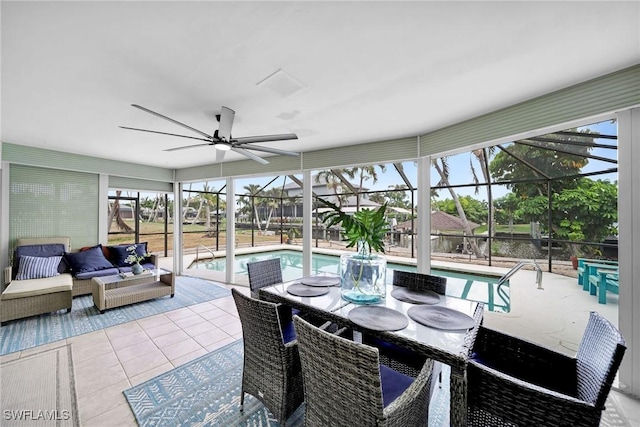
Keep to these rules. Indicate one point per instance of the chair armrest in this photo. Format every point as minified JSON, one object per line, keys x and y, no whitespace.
{"x":8,"y":273}
{"x":526,"y":360}
{"x":416,"y":395}
{"x":519,"y":401}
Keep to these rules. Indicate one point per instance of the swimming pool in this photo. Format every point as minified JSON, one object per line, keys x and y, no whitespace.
{"x":472,"y":286}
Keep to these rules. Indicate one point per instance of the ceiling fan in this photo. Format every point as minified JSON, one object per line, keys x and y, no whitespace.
{"x":222,"y":139}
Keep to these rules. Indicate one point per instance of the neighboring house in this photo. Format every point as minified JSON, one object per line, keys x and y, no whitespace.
{"x":321,"y":189}
{"x":440,"y":222}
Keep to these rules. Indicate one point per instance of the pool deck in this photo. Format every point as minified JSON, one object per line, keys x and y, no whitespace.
{"x":554,"y":317}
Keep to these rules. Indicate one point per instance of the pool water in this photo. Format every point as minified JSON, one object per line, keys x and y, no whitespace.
{"x":460,"y":284}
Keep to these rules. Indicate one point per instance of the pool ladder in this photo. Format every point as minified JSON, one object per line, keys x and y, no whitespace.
{"x":517,"y":267}
{"x":207,"y":249}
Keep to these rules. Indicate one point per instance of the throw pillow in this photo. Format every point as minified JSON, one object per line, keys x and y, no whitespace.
{"x":44,"y":250}
{"x":30,"y":267}
{"x":120,"y":253}
{"x":88,"y":260}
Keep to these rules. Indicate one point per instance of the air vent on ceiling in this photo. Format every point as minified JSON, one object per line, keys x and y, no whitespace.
{"x":283,"y":83}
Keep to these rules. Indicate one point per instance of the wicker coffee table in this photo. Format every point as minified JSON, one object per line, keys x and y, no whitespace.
{"x":122,"y":289}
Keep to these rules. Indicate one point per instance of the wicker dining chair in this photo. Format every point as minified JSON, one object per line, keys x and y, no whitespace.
{"x":345,"y":385}
{"x":271,"y":371}
{"x":268,"y":272}
{"x":263,"y":273}
{"x":398,"y":358}
{"x":514,"y":382}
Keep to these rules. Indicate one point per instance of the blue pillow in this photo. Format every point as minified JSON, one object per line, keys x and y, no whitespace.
{"x":31,"y":267}
{"x":44,"y":250}
{"x":118,"y":254}
{"x":88,"y":260}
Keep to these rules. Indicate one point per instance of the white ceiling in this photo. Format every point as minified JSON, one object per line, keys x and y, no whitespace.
{"x":374,"y":70}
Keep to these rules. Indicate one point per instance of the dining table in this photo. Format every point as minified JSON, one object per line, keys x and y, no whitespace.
{"x":398,"y":321}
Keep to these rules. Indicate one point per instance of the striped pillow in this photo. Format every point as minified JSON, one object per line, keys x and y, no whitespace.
{"x":30,"y":267}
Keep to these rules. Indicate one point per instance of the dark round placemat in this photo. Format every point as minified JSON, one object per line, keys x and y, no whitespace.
{"x":441,"y":317}
{"x":320,"y":281}
{"x":415,"y":296}
{"x":378,"y":318}
{"x":300,"y":290}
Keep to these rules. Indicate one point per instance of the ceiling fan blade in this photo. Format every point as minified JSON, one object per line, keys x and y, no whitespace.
{"x":226,"y":123}
{"x":171,"y":120}
{"x":250,"y":155}
{"x":164,"y":133}
{"x":188,"y":146}
{"x":273,"y":150}
{"x":264,"y":138}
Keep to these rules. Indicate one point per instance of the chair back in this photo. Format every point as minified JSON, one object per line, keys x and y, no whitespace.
{"x":260,"y":321}
{"x":420,"y":281}
{"x":341,"y":379}
{"x":263,"y":273}
{"x":598,"y":359}
{"x":271,"y":370}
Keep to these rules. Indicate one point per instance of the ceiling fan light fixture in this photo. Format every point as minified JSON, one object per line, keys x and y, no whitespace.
{"x":222,"y":147}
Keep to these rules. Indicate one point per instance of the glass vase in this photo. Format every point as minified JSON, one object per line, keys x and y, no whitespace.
{"x":362,"y":278}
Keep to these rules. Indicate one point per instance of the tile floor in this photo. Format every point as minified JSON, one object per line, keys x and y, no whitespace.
{"x":108,"y":361}
{"x":111,"y":360}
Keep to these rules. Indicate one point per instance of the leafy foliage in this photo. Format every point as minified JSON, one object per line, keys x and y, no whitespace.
{"x":547,"y":156}
{"x":588,"y":212}
{"x":475,"y":210}
{"x":366,"y":226}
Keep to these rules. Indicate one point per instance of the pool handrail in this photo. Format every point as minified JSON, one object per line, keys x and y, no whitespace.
{"x":517,"y":267}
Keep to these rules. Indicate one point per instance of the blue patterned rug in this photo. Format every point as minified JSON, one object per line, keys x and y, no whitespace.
{"x":84,"y":317}
{"x":206,"y":392}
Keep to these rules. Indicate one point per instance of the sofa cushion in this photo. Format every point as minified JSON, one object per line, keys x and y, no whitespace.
{"x":86,"y":261}
{"x":97,"y":273}
{"x":41,"y":250}
{"x":30,"y":267}
{"x":33,"y":287}
{"x":145,"y":265}
{"x":119,"y":253}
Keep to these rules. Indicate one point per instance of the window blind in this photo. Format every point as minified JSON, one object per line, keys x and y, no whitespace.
{"x":50,"y":202}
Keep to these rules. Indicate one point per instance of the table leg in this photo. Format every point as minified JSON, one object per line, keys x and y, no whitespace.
{"x":458,"y":398}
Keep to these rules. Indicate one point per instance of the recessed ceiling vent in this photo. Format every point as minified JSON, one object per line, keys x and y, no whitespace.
{"x":284,"y":84}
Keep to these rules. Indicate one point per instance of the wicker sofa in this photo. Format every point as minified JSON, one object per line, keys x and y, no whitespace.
{"x":23,"y":298}
{"x":30,"y":297}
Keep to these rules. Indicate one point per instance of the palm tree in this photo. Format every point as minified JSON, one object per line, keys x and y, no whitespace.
{"x":114,"y":212}
{"x":252,"y":192}
{"x":271,"y":201}
{"x":365,"y":173}
{"x":334,"y":182}
{"x":443,"y":170}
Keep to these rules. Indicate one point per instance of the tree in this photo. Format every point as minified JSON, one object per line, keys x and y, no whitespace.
{"x":548,"y":155}
{"x":442,"y":167}
{"x":506,"y":209}
{"x":588,"y":212}
{"x":334,"y":183}
{"x":250,"y":200}
{"x":475,"y":210}
{"x":365,"y":173}
{"x":114,"y":212}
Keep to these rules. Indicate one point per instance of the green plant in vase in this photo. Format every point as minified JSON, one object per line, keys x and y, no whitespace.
{"x":363,"y":274}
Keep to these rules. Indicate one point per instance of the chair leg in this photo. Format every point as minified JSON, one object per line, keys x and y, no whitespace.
{"x":241,"y":401}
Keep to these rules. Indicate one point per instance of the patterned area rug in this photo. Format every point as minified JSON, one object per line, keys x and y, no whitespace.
{"x":84,"y":317}
{"x":206,"y":392}
{"x":47,"y":396}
